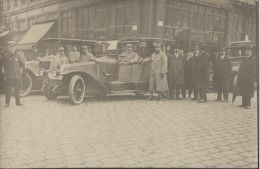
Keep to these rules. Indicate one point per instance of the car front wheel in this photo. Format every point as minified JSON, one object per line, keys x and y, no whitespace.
{"x":26,"y":85}
{"x":76,"y":89}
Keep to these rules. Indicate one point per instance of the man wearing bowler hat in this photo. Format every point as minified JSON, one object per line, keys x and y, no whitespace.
{"x":129,"y":57}
{"x":12,"y":66}
{"x":222,"y":73}
{"x":246,"y":78}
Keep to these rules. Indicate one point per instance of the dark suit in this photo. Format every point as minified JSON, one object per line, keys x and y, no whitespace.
{"x":12,"y":64}
{"x":187,"y":77}
{"x":194,"y":75}
{"x":222,"y":73}
{"x":203,"y":74}
{"x":245,"y":80}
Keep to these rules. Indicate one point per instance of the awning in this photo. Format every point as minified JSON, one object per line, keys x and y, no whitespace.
{"x":4,"y":33}
{"x":35,"y":33}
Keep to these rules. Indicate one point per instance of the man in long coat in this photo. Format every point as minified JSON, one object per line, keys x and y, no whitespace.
{"x":222,"y":73}
{"x":194,"y":72}
{"x":187,"y":74}
{"x":203,"y":75}
{"x":246,"y":78}
{"x":176,"y":73}
{"x":158,"y":79}
{"x":12,"y":65}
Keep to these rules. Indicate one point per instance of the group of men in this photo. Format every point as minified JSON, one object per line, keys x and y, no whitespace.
{"x":185,"y":70}
{"x":182,"y":70}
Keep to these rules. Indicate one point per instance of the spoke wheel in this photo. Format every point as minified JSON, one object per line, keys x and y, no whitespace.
{"x":26,"y":85}
{"x":77,"y":89}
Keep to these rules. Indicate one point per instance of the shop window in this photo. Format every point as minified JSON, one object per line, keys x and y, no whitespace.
{"x":128,"y":15}
{"x":240,"y":23}
{"x":66,"y":22}
{"x":177,"y":17}
{"x":15,"y":3}
{"x":222,"y":23}
{"x":98,"y":20}
{"x":92,"y":19}
{"x":103,"y":19}
{"x":185,"y":6}
{"x":30,"y":22}
{"x":177,"y":3}
{"x":169,"y":2}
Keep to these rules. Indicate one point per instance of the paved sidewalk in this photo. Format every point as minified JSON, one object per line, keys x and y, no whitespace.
{"x":126,"y":131}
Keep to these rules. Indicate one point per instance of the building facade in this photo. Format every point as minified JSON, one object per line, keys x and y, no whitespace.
{"x":189,"y":22}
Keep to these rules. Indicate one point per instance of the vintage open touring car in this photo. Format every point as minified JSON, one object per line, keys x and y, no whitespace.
{"x":48,"y":47}
{"x":104,"y":75}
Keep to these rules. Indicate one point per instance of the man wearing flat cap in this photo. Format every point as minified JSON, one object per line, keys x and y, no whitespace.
{"x":128,"y":57}
{"x":176,"y":73}
{"x":222,"y":73}
{"x":86,"y":54}
{"x":12,"y":68}
{"x":158,"y":79}
{"x":246,"y":78}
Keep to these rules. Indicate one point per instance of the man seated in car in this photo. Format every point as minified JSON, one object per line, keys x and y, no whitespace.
{"x":128,"y":57}
{"x":74,"y":55}
{"x":59,"y":60}
{"x":86,"y":54}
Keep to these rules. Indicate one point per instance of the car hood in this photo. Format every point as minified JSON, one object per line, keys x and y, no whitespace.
{"x":78,"y":67}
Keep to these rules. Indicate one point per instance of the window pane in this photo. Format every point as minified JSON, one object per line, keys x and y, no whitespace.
{"x":222,"y":24}
{"x":209,"y":22}
{"x":120,"y":3}
{"x":64,"y":25}
{"x":104,"y":19}
{"x":216,"y":23}
{"x":208,"y":37}
{"x":69,"y":22}
{"x":185,"y":5}
{"x":201,"y":22}
{"x":177,"y":3}
{"x":177,"y":17}
{"x":168,"y":16}
{"x":194,"y":21}
{"x":194,"y":7}
{"x":209,"y":10}
{"x":185,"y":19}
{"x":215,"y":38}
{"x":241,"y":23}
{"x":112,"y":18}
{"x":128,"y":15}
{"x":120,"y":16}
{"x":169,"y":2}
{"x":98,"y":20}
{"x":92,"y":20}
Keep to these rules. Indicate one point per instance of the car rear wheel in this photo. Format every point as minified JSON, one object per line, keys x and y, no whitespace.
{"x":26,"y":85}
{"x":76,"y":89}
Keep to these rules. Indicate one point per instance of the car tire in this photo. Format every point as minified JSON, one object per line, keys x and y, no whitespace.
{"x":49,"y":94}
{"x":77,"y":89}
{"x":28,"y":83}
{"x":140,"y":93}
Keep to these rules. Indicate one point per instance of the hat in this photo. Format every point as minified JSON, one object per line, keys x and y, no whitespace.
{"x":129,"y":45}
{"x":195,"y":48}
{"x":61,"y":48}
{"x":12,"y":43}
{"x":157,"y":45}
{"x":84,"y":47}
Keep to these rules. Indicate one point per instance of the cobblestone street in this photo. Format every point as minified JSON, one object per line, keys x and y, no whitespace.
{"x":127,"y":131}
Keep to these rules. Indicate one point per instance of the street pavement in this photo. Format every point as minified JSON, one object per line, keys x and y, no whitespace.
{"x":127,"y":131}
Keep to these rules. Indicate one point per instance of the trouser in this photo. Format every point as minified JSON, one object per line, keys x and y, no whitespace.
{"x":246,"y":101}
{"x":183,"y":91}
{"x":12,"y":83}
{"x":175,"y":88}
{"x":195,"y":93}
{"x":222,"y":90}
{"x":203,"y":93}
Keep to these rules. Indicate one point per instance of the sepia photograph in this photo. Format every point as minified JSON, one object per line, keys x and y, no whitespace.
{"x":129,"y":83}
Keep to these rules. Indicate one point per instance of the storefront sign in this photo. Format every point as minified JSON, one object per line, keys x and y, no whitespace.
{"x":160,"y":23}
{"x":134,"y":27}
